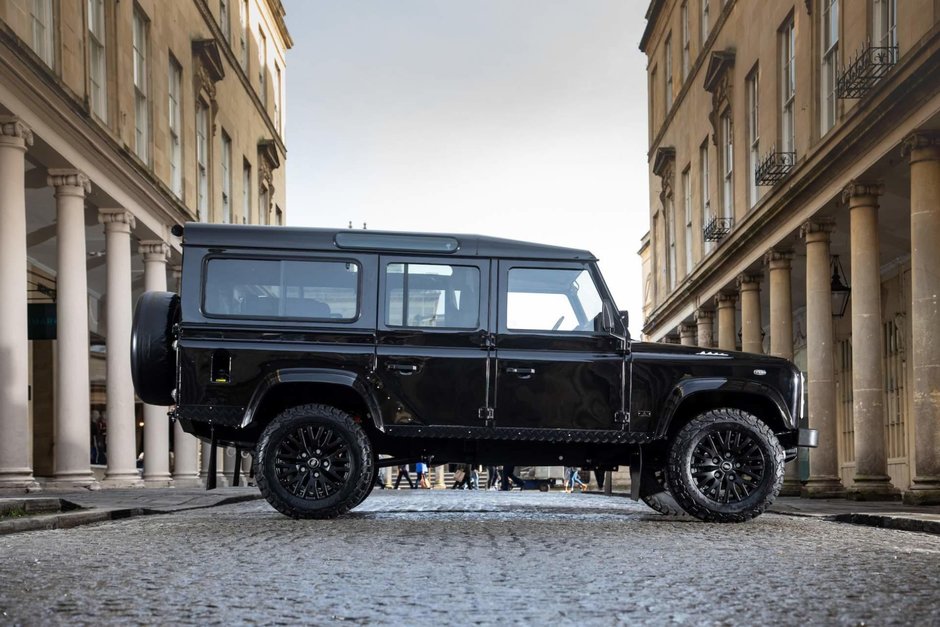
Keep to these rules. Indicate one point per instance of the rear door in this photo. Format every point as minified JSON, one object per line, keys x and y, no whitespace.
{"x":432,"y":352}
{"x":555,"y":365}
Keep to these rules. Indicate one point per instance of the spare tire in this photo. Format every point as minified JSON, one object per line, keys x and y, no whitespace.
{"x":153,"y":356}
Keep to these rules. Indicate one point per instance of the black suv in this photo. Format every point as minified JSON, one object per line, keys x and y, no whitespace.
{"x":322,"y":349}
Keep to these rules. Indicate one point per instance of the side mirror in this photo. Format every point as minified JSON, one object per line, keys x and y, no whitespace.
{"x":608,"y":318}
{"x":625,"y":316}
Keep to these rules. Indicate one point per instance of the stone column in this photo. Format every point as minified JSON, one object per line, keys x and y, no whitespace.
{"x":824,"y":480}
{"x":703,"y":322}
{"x":16,"y":470}
{"x":687,"y":334}
{"x":72,"y":398}
{"x":871,"y":480}
{"x":156,"y":422}
{"x":185,"y":446}
{"x":727,"y":326}
{"x":751,"y":328}
{"x":439,"y":477}
{"x":781,"y":336}
{"x":122,"y":428}
{"x":924,"y":149}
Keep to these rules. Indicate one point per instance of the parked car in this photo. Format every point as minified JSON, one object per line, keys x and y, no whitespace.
{"x":322,"y":349}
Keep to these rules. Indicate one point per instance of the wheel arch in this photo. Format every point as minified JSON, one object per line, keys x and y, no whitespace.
{"x":298,"y":386}
{"x":692,"y":397}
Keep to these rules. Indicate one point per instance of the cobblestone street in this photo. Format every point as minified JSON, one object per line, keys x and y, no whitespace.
{"x":417,"y":557}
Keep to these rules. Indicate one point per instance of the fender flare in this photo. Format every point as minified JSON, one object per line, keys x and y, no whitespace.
{"x":690,"y":387}
{"x":328,"y":376}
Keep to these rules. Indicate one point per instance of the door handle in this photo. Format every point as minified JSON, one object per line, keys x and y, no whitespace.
{"x":522,"y":372}
{"x":405,"y":369}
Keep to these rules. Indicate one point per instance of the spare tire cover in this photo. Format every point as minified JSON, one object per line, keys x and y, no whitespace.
{"x":153,"y":356}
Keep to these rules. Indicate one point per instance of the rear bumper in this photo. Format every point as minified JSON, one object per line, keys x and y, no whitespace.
{"x":807,"y":438}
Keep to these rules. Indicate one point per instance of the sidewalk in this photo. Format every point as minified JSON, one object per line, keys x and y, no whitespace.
{"x":887,"y":514}
{"x":63,"y":510}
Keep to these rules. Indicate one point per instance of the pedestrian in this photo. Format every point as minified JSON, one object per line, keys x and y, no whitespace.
{"x":459,"y":477}
{"x":509,"y":475}
{"x":492,"y":477}
{"x":421,"y":475}
{"x":573,"y":479}
{"x":380,"y":478}
{"x":403,"y":472}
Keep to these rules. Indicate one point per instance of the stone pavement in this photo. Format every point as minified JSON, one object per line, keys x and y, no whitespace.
{"x":60,"y":510}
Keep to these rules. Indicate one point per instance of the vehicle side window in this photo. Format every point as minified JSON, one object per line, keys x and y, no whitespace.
{"x":552,"y":299}
{"x":263,"y":288}
{"x":432,"y":295}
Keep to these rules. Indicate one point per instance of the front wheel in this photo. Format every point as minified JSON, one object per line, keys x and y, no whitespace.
{"x":314,"y":461}
{"x":725,"y":465}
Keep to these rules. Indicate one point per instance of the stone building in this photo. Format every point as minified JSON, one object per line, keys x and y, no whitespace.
{"x":117,"y":121}
{"x":795,"y":210}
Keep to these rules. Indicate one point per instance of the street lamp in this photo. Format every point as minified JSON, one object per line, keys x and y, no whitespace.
{"x":840,"y":291}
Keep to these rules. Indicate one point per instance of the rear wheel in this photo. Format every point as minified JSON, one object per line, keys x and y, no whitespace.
{"x":314,"y":461}
{"x":725,"y":465}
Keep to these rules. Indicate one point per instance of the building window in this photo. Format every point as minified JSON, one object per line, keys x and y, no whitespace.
{"x":727,"y":165}
{"x":262,"y":67}
{"x":753,"y":135}
{"x":243,"y":37}
{"x":226,"y":178}
{"x":277,"y":97}
{"x":668,"y":73}
{"x":704,"y":21}
{"x":264,"y":205}
{"x":202,"y":161}
{"x":97,"y":59}
{"x":175,"y":76}
{"x":43,"y":23}
{"x":787,"y":87}
{"x":670,"y":210}
{"x":704,"y":192}
{"x":885,"y":23}
{"x":829,"y":69}
{"x":687,"y":207}
{"x":246,"y":192}
{"x":225,"y":20}
{"x":141,"y":102}
{"x":654,"y":121}
{"x":686,"y":52}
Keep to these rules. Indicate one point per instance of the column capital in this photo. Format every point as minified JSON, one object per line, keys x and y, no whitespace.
{"x":154,"y":250}
{"x":704,"y":314}
{"x":817,"y":230}
{"x":746,"y":282}
{"x":778,"y":259}
{"x":921,"y":146}
{"x":862,"y":193}
{"x":13,"y":128}
{"x":726,"y":299}
{"x":117,"y":219}
{"x":61,"y":178}
{"x":686,"y":329}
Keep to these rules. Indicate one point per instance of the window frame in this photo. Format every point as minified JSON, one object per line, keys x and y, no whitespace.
{"x":360,"y":265}
{"x":44,"y":43}
{"x":225,"y":143}
{"x":705,"y":190}
{"x":686,"y":41}
{"x":482,"y":267}
{"x":687,"y":206}
{"x":704,"y":26}
{"x":829,"y":64}
{"x":787,"y":38}
{"x":752,"y":97}
{"x":140,"y":50}
{"x":246,"y":191}
{"x":668,"y":72}
{"x":726,"y":162}
{"x":97,"y":15}
{"x":175,"y":124}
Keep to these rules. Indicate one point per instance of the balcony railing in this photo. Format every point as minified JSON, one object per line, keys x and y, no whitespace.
{"x":865,"y":70}
{"x":717,"y":229}
{"x":774,"y":167}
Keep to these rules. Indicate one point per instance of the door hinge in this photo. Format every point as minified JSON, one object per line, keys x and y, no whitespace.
{"x":623,"y":419}
{"x":486,"y":415}
{"x":487,"y":339}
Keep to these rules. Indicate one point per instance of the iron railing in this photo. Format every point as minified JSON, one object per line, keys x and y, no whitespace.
{"x":774,"y":167}
{"x":865,"y":70}
{"x":717,"y":229}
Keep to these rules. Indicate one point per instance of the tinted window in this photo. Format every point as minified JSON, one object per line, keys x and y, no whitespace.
{"x":552,"y":300}
{"x":432,"y":295}
{"x":261,"y":288}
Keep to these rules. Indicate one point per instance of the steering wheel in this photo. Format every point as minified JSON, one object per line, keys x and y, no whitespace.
{"x":558,"y":324}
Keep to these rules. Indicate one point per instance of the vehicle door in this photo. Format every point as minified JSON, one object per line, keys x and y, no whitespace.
{"x":556,"y":366}
{"x":433,"y":353}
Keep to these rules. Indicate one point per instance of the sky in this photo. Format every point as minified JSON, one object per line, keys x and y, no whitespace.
{"x":523,"y":119}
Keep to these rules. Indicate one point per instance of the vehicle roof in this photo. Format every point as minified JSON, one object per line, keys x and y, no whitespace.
{"x":302,"y":238}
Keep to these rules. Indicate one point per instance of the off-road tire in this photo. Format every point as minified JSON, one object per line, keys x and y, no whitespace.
{"x":762,"y":441}
{"x":662,"y":501}
{"x":375,"y":474}
{"x":350,"y":491}
{"x":153,"y":354}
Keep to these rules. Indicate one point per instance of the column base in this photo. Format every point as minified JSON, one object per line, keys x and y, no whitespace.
{"x":122,"y":480}
{"x":873,"y":489}
{"x":187,"y":481}
{"x":923,"y":492}
{"x":823,"y":488}
{"x":72,"y":481}
{"x":164,"y":481}
{"x":791,"y":487}
{"x":19,"y":481}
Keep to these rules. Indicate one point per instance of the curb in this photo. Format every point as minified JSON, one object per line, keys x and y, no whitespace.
{"x":888,"y":521}
{"x":77,"y":518}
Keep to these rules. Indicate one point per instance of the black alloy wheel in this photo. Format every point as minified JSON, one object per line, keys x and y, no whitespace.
{"x":314,"y":461}
{"x":725,"y":465}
